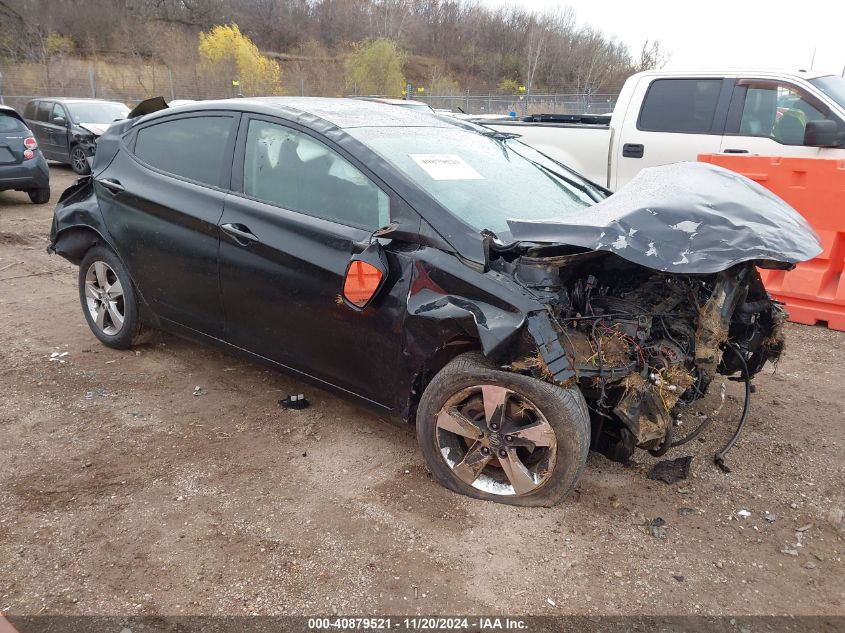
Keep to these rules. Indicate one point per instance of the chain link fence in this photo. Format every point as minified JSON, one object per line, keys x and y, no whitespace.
{"x":131,"y":81}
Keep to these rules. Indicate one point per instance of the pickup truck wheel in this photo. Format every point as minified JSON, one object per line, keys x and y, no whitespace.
{"x":501,"y":436}
{"x":109,"y":300}
{"x":79,"y":161}
{"x":40,"y":196}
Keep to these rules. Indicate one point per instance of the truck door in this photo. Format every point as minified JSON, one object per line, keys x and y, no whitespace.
{"x":769,"y":117}
{"x":678,"y":120}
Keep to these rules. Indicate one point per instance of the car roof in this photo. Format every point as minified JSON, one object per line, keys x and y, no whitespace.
{"x":12,"y":111}
{"x":392,"y":100}
{"x":341,"y":112}
{"x":739,"y":71}
{"x":77,"y":100}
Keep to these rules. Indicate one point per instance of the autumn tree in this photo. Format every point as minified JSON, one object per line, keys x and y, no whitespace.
{"x":375,"y":68}
{"x":234,"y":54}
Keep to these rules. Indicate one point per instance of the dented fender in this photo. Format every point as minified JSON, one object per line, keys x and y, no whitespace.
{"x":78,"y":222}
{"x":453,"y":308}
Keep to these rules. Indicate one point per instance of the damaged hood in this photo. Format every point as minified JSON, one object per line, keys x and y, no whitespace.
{"x":95,"y":128}
{"x":685,"y":218}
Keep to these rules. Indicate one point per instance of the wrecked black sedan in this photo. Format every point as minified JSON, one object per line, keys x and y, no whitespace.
{"x":436,"y":273}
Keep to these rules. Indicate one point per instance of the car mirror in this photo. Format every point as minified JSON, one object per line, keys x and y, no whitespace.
{"x":59,"y":120}
{"x":365,"y":276}
{"x":823,"y":133}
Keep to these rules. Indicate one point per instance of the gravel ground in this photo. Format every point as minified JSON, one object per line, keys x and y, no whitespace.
{"x":121,"y":492}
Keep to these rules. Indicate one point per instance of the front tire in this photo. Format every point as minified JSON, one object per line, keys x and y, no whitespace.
{"x":109,"y":300}
{"x":40,"y":196}
{"x":79,"y":161}
{"x":500,"y":436}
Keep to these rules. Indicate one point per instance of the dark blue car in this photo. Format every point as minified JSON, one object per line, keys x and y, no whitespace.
{"x":22,"y":165}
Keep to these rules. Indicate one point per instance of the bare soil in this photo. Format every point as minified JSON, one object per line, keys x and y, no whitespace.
{"x":122,"y":492}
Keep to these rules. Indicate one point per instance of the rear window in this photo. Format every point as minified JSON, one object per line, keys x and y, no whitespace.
{"x":192,"y":147}
{"x":680,"y":105}
{"x":29,"y":111}
{"x":9,"y":122}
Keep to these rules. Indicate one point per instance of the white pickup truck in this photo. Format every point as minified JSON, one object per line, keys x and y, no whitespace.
{"x":666,"y":117}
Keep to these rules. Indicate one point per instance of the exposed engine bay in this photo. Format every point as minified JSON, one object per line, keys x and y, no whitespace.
{"x":643,"y":345}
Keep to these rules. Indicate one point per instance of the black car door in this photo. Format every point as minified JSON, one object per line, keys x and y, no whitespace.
{"x":162,"y":198}
{"x":298,"y":213}
{"x":58,"y":131}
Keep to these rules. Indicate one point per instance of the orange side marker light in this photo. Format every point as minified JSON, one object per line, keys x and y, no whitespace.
{"x":361,"y":283}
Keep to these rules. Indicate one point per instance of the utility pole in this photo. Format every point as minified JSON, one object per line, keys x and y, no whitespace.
{"x":92,"y":81}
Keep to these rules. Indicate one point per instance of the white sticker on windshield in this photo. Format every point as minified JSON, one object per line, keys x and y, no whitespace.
{"x":446,"y":167}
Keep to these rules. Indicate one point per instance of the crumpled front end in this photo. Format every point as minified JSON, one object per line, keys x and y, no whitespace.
{"x":640,"y":344}
{"x":653,"y":293}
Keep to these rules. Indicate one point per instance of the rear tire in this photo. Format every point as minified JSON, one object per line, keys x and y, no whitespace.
{"x":40,"y":196}
{"x":109,"y":299}
{"x":537,"y":472}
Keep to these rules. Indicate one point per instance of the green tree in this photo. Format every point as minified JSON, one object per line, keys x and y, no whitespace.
{"x":444,"y":85}
{"x":56,"y":45}
{"x":234,"y":54}
{"x":508,"y":86}
{"x":375,"y":68}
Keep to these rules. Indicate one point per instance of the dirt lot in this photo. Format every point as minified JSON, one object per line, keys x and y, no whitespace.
{"x":121,"y":492}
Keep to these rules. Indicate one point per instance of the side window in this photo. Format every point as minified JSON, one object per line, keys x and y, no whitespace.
{"x":29,"y":111}
{"x":44,"y":108}
{"x":58,"y":110}
{"x":680,"y":105}
{"x":292,"y":170}
{"x":192,"y":147}
{"x":776,"y":111}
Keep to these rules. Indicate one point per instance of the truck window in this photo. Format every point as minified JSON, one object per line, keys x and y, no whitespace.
{"x":680,"y":105}
{"x":773,"y":110}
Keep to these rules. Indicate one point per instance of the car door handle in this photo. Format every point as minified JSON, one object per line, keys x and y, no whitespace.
{"x":112,"y":185}
{"x":735,"y":151}
{"x":240,"y":233}
{"x":633,"y":150}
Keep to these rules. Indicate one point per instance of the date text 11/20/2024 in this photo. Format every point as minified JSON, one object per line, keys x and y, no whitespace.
{"x":417,"y":624}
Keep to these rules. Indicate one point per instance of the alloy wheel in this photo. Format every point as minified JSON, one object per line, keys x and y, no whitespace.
{"x":104,"y":298}
{"x":496,"y":440}
{"x":78,"y":160}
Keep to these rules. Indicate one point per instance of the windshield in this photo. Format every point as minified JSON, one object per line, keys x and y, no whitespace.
{"x":481,"y":179}
{"x":97,"y":112}
{"x":832,"y":86}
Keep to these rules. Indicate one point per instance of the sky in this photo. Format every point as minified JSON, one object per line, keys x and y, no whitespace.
{"x":720,"y":33}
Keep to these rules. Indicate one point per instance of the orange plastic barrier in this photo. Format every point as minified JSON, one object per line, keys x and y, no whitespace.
{"x":814,"y":292}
